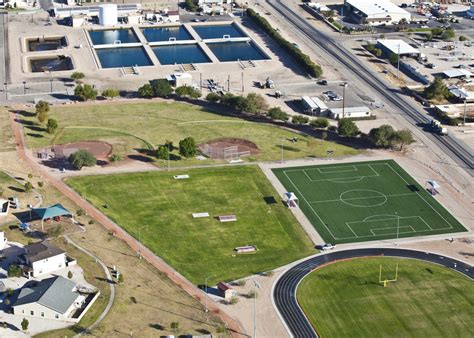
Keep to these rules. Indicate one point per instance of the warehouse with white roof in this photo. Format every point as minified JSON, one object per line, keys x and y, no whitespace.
{"x":375,"y":12}
{"x":398,"y":47}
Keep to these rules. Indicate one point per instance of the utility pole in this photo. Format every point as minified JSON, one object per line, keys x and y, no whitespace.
{"x":465,"y":106}
{"x":6,"y":90}
{"x":200,"y":82}
{"x":256,"y":286}
{"x":344,"y":85}
{"x":205,"y":290}
{"x":398,"y":63}
{"x":24,"y":87}
{"x":228,"y":83}
{"x":242,"y":82}
{"x":51,"y":83}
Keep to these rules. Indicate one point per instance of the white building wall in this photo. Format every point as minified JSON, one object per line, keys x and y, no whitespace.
{"x":49,"y":265}
{"x":38,"y":311}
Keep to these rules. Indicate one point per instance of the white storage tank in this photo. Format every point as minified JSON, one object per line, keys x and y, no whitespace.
{"x":108,"y":15}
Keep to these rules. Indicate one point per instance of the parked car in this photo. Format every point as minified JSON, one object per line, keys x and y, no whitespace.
{"x":323,"y":82}
{"x":328,"y":246}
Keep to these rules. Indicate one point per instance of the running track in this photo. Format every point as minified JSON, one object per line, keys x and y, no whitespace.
{"x":284,"y":293}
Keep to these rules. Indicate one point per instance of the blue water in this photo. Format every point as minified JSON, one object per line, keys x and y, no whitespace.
{"x":123,"y":57}
{"x":165,"y":33}
{"x":218,"y":31}
{"x":103,"y":37}
{"x":169,"y":55}
{"x":233,"y":51}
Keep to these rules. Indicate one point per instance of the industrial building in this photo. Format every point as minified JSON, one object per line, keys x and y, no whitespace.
{"x":375,"y":12}
{"x":398,"y":47}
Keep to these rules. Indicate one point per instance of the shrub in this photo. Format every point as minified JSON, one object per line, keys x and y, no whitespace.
{"x":393,"y":58}
{"x":448,"y":35}
{"x":234,"y":300}
{"x":213,"y":97}
{"x":187,"y":147}
{"x":463,"y":38}
{"x":51,"y":126}
{"x":370,"y":47}
{"x":252,"y":104}
{"x":69,"y":274}
{"x":82,"y":158}
{"x":162,"y":152}
{"x":14,"y":271}
{"x":184,"y":91}
{"x":347,"y":127}
{"x":42,"y":106}
{"x":299,"y":119}
{"x":40,"y":184}
{"x":146,"y":91}
{"x":320,"y":122}
{"x":56,"y":231}
{"x":301,"y":58}
{"x":378,"y":52}
{"x":437,"y":90}
{"x":276,"y":113}
{"x":161,"y":87}
{"x":382,"y":136}
{"x":24,"y":323}
{"x":85,"y":92}
{"x":115,"y":158}
{"x":332,"y":128}
{"x":111,"y":93}
{"x":28,"y":187}
{"x":76,"y":76}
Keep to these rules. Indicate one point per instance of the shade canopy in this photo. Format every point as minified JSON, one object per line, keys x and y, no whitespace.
{"x":52,"y":211}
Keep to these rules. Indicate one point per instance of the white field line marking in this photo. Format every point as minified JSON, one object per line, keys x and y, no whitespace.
{"x":361,"y":198}
{"x":444,"y":219}
{"x":393,"y":233}
{"x":335,"y":171}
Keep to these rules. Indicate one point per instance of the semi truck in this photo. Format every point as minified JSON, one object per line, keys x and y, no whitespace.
{"x":438,"y":128}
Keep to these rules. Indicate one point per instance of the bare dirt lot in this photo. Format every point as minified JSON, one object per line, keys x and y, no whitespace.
{"x":223,"y":148}
{"x":97,"y":148}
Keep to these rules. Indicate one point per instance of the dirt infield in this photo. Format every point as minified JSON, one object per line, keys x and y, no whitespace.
{"x":226,"y":148}
{"x":97,"y":148}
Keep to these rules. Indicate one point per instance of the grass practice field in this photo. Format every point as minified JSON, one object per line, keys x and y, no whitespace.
{"x":344,"y":299}
{"x":132,"y":126}
{"x":352,"y":202}
{"x":202,"y":247}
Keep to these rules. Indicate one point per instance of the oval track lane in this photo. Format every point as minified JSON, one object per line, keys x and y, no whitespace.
{"x":284,"y":293}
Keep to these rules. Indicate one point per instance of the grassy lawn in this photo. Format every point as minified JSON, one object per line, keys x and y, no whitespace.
{"x":7,"y":142}
{"x":345,"y":299}
{"x":202,"y":247}
{"x":132,"y":126}
{"x":353,"y":202}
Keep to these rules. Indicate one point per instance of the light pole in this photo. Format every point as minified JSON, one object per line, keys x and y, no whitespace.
{"x":398,"y":63}
{"x":51,"y":85}
{"x":465,"y":106}
{"x":6,"y":90}
{"x":282,"y":140}
{"x":256,"y":286}
{"x":24,"y":87}
{"x":205,"y":291}
{"x":140,"y":241}
{"x":398,"y":227}
{"x":344,"y":85}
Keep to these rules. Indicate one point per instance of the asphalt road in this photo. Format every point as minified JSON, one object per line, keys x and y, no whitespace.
{"x":456,"y":149}
{"x":284,"y":293}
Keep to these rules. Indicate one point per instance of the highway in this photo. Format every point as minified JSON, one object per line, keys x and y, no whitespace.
{"x":284,"y":292}
{"x":458,"y":151}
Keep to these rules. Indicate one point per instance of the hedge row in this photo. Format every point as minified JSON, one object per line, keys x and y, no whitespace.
{"x":302,"y":59}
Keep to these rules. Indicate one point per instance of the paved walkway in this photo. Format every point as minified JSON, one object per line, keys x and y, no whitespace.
{"x":233,"y":325}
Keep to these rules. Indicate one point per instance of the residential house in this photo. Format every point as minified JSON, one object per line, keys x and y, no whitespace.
{"x":42,"y":258}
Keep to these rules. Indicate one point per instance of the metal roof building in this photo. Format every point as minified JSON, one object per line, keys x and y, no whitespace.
{"x":397,"y":46}
{"x":376,"y":12}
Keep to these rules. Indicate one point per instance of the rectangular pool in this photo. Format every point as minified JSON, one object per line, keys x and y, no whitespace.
{"x":153,"y":34}
{"x":123,"y":57}
{"x":234,"y":51}
{"x":52,"y":63}
{"x":111,"y":36}
{"x":172,"y":54}
{"x":218,"y":31}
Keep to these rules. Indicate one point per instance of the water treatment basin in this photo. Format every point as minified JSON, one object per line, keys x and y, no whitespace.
{"x":234,"y":51}
{"x":112,"y":36}
{"x":219,"y":31}
{"x":176,"y":54}
{"x":45,"y":44}
{"x":123,"y":57}
{"x":51,"y":63}
{"x":155,"y":34}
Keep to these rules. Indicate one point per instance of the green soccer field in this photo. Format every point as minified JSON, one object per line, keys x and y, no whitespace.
{"x":354,"y":202}
{"x":345,"y":299}
{"x":202,"y":247}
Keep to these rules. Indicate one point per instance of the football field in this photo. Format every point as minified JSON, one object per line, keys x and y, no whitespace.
{"x":353,"y":202}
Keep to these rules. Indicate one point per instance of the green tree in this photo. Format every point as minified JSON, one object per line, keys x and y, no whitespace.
{"x":347,"y":127}
{"x":463,"y":38}
{"x":120,"y":278}
{"x":402,"y":138}
{"x":378,"y":52}
{"x":299,"y":119}
{"x":213,"y":97}
{"x":162,"y":152}
{"x":51,"y":126}
{"x":42,"y":116}
{"x":28,"y":187}
{"x":76,"y":76}
{"x":115,"y":158}
{"x":276,"y":113}
{"x":14,"y":271}
{"x":429,"y":36}
{"x":190,"y":6}
{"x":146,"y":91}
{"x":85,"y":92}
{"x":437,"y":90}
{"x":169,"y":144}
{"x":254,"y":104}
{"x":82,"y":158}
{"x":448,"y":35}
{"x":437,"y":31}
{"x":187,"y":147}
{"x":184,"y":91}
{"x":382,"y":136}
{"x":24,"y":323}
{"x":56,"y":231}
{"x":161,"y":87}
{"x":69,"y":274}
{"x":320,"y":122}
{"x":370,"y":47}
{"x":42,"y":106}
{"x":175,"y":326}
{"x":393,"y":58}
{"x":110,"y":93}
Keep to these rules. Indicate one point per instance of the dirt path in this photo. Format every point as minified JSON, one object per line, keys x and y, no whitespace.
{"x":232,"y":324}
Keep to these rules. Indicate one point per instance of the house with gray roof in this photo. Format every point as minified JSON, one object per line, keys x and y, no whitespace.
{"x":42,"y":258}
{"x":53,"y":298}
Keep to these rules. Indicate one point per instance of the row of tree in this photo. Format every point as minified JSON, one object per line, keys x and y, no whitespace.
{"x":42,"y":110}
{"x":187,"y":148}
{"x":301,"y":58}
